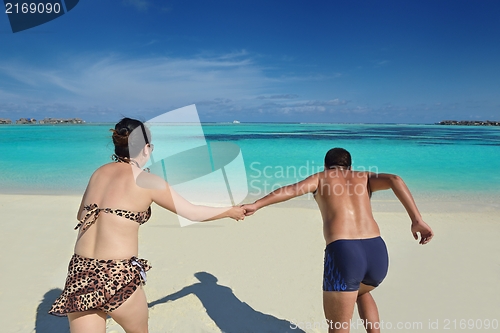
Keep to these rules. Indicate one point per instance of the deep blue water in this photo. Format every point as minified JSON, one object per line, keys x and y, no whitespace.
{"x":430,"y":158}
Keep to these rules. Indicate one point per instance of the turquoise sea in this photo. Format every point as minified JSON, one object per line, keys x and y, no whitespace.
{"x":430,"y":158}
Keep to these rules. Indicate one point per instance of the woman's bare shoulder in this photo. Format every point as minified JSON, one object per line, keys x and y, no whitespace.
{"x":107,"y":166}
{"x":103,"y":171}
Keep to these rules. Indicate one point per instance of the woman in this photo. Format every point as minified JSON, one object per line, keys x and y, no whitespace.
{"x":105,"y":277}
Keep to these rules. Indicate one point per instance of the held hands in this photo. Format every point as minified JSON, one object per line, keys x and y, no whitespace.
{"x":236,"y":213}
{"x":426,"y":234}
{"x":250,"y":209}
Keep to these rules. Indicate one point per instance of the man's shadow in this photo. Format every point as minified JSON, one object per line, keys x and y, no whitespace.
{"x":46,"y":323}
{"x":229,"y":313}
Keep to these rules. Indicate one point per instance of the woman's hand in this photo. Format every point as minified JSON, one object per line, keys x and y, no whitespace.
{"x":236,"y":213}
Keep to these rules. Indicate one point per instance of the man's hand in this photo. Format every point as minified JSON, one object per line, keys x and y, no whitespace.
{"x":236,"y":213}
{"x":249,"y":209}
{"x":425,"y":231}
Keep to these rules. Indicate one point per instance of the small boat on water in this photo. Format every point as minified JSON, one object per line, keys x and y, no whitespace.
{"x":236,"y":122}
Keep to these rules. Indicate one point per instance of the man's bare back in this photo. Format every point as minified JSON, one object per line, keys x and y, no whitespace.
{"x":343,"y":197}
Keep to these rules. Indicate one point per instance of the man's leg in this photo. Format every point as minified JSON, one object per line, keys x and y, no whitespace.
{"x":339,"y":307}
{"x":367,"y":309}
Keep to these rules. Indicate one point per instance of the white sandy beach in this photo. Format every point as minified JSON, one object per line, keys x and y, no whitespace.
{"x":268,"y":267}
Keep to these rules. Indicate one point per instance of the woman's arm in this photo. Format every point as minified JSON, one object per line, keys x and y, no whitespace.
{"x":84,"y":198}
{"x":168,"y":198}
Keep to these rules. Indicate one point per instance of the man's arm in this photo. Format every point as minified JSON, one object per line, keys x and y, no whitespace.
{"x":384,"y":181}
{"x":307,"y":185}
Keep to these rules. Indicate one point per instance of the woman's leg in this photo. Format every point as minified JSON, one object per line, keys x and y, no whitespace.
{"x":367,"y":309}
{"x":87,"y":321}
{"x":132,"y":315}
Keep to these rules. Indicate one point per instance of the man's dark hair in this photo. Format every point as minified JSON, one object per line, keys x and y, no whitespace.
{"x":337,"y":157}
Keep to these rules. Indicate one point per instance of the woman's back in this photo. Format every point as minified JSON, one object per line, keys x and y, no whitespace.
{"x":112,"y":236}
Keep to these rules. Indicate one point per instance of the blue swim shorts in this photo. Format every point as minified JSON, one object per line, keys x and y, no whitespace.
{"x":349,"y":262}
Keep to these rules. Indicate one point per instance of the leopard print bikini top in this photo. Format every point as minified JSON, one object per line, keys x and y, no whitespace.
{"x":93,"y":212}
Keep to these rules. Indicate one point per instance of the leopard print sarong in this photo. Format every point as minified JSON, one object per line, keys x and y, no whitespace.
{"x":99,"y":284}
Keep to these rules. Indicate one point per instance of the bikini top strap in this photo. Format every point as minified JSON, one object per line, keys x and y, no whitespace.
{"x":93,"y":212}
{"x":139,"y":217}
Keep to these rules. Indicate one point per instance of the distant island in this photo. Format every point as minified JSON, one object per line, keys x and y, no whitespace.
{"x":51,"y":121}
{"x":470,"y":122}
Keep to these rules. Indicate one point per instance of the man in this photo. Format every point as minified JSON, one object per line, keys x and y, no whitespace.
{"x":356,"y":258}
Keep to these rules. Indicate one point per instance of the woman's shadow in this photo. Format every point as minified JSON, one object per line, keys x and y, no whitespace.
{"x":46,"y":323}
{"x":229,"y":313}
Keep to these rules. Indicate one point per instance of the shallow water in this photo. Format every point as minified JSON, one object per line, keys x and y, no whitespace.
{"x":431,"y":159}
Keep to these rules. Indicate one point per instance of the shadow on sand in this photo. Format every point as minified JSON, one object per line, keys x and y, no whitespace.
{"x":46,"y":323}
{"x":229,"y":313}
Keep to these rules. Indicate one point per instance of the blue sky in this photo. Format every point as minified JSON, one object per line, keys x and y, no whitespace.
{"x":258,"y":61}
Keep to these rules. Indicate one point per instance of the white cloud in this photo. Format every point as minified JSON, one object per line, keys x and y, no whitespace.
{"x":312,"y":77}
{"x":141,"y":5}
{"x":281,"y":96}
{"x":5,"y":95}
{"x":147,"y":83}
{"x":97,"y":86}
{"x":304,"y":106}
{"x":380,"y":63}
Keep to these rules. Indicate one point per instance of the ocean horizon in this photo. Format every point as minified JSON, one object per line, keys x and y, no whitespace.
{"x":241,"y":123}
{"x":432,"y":159}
